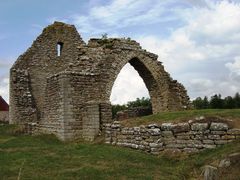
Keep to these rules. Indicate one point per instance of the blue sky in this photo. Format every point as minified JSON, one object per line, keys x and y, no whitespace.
{"x":198,"y":41}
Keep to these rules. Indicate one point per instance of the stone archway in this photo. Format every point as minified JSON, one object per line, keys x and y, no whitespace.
{"x":144,"y":73}
{"x":68,"y":93}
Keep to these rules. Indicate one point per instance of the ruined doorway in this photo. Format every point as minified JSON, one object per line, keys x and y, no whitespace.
{"x":129,"y":95}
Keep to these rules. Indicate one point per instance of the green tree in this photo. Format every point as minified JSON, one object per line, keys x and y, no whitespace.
{"x":198,"y":103}
{"x":205,"y":103}
{"x":143,"y":102}
{"x":116,"y":108}
{"x":229,"y":102}
{"x":216,"y":102}
{"x":237,"y":100}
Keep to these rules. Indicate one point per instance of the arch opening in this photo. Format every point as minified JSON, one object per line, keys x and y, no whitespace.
{"x":133,"y":83}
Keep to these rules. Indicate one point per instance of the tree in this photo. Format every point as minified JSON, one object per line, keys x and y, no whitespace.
{"x":237,"y":100}
{"x":229,"y":102}
{"x":198,"y":103}
{"x":205,"y":103}
{"x":116,"y":108}
{"x":216,"y":102}
{"x":143,"y":102}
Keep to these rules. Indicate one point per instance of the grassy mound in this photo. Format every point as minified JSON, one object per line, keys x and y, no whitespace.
{"x":181,"y":116}
{"x":45,"y":157}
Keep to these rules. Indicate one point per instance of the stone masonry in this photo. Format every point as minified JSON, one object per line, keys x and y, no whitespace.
{"x":62,"y":85}
{"x":192,"y":136}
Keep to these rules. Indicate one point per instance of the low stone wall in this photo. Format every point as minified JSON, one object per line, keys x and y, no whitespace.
{"x":133,"y":112}
{"x":192,"y":136}
{"x":4,"y":117}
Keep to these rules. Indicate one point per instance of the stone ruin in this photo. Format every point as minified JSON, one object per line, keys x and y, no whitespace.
{"x":61,"y":85}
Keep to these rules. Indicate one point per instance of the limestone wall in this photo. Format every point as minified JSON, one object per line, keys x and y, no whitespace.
{"x":4,"y":117}
{"x":192,"y":136}
{"x":52,"y":89}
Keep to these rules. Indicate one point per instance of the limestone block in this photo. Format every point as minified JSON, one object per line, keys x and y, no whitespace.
{"x":199,"y":126}
{"x":167,"y":133}
{"x":180,"y":127}
{"x":153,"y":126}
{"x":155,"y":132}
{"x":213,"y":137}
{"x":166,"y":126}
{"x":233,"y":131}
{"x":210,"y":173}
{"x":209,"y":146}
{"x":208,"y":141}
{"x":218,"y":126}
{"x":219,"y":142}
{"x":228,"y":137}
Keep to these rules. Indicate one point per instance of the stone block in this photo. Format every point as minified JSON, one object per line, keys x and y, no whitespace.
{"x":150,"y":126}
{"x":155,"y":131}
{"x":208,"y":141}
{"x":180,"y":127}
{"x":190,"y":150}
{"x":166,"y":126}
{"x":167,"y":133}
{"x":233,"y":131}
{"x":209,"y":146}
{"x":199,"y":126}
{"x":219,"y":132}
{"x":214,"y":137}
{"x":218,"y":126}
{"x":210,"y":173}
{"x":219,"y":142}
{"x":228,"y":137}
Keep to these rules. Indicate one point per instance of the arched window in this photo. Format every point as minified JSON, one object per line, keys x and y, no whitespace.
{"x":59,"y":48}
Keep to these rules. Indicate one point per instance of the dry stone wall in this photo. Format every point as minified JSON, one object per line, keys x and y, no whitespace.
{"x":51,"y":87}
{"x":189,"y":137}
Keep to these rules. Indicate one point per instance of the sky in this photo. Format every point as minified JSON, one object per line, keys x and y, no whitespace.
{"x":198,"y":41}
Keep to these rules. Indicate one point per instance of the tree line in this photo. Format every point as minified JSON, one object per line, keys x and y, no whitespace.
{"x":139,"y":102}
{"x":214,"y":102}
{"x":217,"y":102}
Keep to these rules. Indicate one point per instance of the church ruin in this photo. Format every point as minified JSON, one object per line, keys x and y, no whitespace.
{"x":63,"y":85}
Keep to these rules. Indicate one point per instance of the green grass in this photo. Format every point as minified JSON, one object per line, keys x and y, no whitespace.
{"x":45,"y":157}
{"x":180,"y":116}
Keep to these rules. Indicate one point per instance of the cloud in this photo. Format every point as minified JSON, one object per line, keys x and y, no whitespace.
{"x":4,"y":87}
{"x":234,"y":68}
{"x":118,"y":14}
{"x":200,"y":53}
{"x":128,"y":86}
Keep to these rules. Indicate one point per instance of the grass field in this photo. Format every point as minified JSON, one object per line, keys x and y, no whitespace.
{"x":180,"y":116}
{"x":45,"y":157}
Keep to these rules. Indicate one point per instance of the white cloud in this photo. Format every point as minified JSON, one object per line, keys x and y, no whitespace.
{"x":119,"y":14}
{"x":200,"y":53}
{"x":128,"y":86}
{"x":234,"y":68}
{"x":4,"y":88}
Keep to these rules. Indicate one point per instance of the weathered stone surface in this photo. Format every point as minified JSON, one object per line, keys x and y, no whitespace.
{"x":153,"y":140}
{"x":155,"y":132}
{"x":210,"y":173}
{"x":199,"y":126}
{"x":180,"y":127}
{"x":166,"y":126}
{"x":208,"y":141}
{"x":4,"y":117}
{"x":167,"y":133}
{"x":218,"y":126}
{"x":233,"y":131}
{"x":224,"y":163}
{"x":62,"y":88}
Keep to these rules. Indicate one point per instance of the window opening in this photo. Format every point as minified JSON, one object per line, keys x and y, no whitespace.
{"x":59,"y":48}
